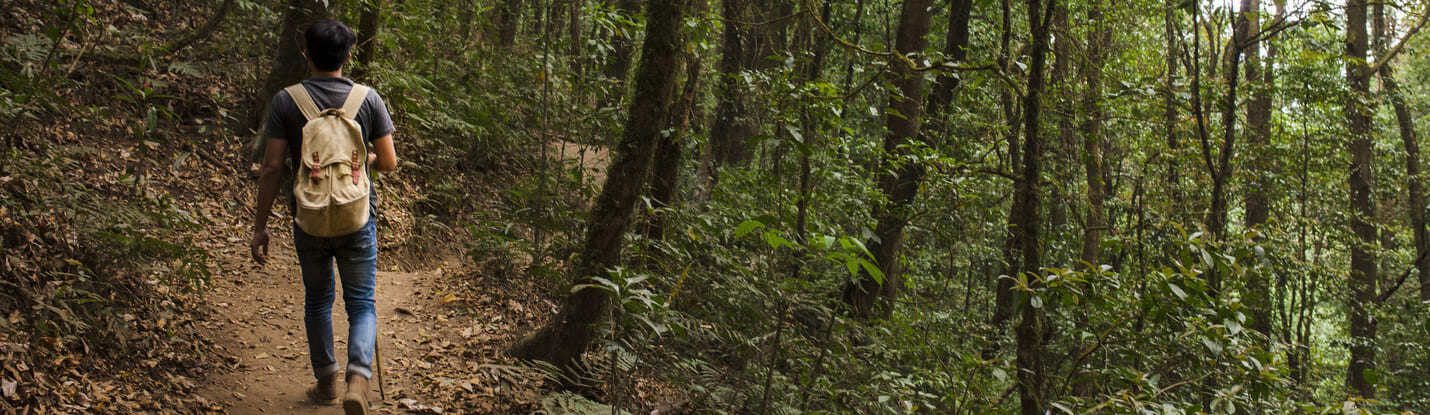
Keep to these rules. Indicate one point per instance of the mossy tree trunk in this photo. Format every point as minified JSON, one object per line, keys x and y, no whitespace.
{"x":572,"y":331}
{"x":899,"y":178}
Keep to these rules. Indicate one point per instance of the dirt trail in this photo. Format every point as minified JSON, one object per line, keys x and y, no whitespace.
{"x":426,"y":335}
{"x":261,"y":313}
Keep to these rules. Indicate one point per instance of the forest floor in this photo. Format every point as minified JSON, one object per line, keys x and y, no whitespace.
{"x":442,"y":326}
{"x":259,"y":322}
{"x":233,"y":341}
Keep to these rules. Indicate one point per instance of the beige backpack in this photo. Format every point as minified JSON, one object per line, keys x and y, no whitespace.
{"x":331,"y":187}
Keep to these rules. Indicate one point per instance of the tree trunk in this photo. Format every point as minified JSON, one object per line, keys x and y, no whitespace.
{"x":731,"y":128}
{"x":665,"y":171}
{"x":508,"y":13}
{"x":573,"y":34}
{"x":1258,"y":131}
{"x":1364,"y":272}
{"x":1169,"y":102}
{"x":572,"y":330}
{"x":1003,"y":291}
{"x":1405,"y":121}
{"x":368,"y":25}
{"x":817,"y":44}
{"x":1221,"y":170}
{"x":619,"y":63}
{"x":899,"y":179}
{"x":1063,"y":85}
{"x":1095,"y":225}
{"x":289,"y":67}
{"x":956,"y":47}
{"x":1032,"y":332}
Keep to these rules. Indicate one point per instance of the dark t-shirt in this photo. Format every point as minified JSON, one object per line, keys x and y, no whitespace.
{"x":285,"y":121}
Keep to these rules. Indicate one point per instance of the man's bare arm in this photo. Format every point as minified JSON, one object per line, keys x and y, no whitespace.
{"x":384,"y":156}
{"x":269,"y":176}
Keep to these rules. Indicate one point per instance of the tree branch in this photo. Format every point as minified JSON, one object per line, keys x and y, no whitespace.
{"x":201,"y":33}
{"x":1399,"y":44}
{"x":1386,"y":295}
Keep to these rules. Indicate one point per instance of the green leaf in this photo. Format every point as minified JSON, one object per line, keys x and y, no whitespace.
{"x":1371,"y":375}
{"x":775,"y":241}
{"x":1177,"y":290}
{"x":873,"y":270}
{"x":1211,"y":345}
{"x":746,"y":227}
{"x":1000,"y":374}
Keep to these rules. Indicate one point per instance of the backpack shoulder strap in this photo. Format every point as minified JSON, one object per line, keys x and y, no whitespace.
{"x":354,"y":101}
{"x":303,"y":100}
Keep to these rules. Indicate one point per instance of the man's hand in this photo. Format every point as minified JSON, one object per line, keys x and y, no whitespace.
{"x":259,"y":246}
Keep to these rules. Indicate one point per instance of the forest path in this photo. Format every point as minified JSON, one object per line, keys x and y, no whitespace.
{"x":258,"y":321}
{"x":260,"y":313}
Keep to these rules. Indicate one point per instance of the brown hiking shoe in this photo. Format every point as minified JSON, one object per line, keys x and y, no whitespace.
{"x":355,"y":401}
{"x":326,"y":391}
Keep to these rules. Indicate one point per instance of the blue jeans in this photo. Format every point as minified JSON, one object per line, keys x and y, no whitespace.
{"x":356,"y":257}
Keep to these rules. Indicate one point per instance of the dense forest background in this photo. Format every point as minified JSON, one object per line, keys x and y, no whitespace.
{"x":837,"y":206}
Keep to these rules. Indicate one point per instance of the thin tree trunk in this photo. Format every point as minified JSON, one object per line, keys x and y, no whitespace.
{"x":289,"y":66}
{"x":1258,"y":131}
{"x":1095,"y":224}
{"x":1169,"y":102}
{"x":899,"y":179}
{"x":1063,"y":85}
{"x":1003,"y":291}
{"x":368,"y":26}
{"x":573,"y":33}
{"x":563,"y":340}
{"x":817,"y":44}
{"x":1405,"y":121}
{"x":619,"y":62}
{"x":731,"y":128}
{"x":1221,"y":170}
{"x":1363,"y":272}
{"x":508,"y":14}
{"x":665,"y":172}
{"x":1032,"y":332}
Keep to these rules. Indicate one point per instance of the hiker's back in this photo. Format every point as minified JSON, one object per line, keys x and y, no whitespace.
{"x":331,"y":186}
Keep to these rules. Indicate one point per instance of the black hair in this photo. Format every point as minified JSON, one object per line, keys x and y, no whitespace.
{"x":328,"y":42}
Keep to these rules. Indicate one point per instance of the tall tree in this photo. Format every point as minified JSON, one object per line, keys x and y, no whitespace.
{"x":1062,"y":87}
{"x":899,"y":177}
{"x":1032,"y":332}
{"x":1364,"y":270}
{"x":573,"y":34}
{"x":956,"y":48}
{"x":572,"y":330}
{"x":1220,"y":170}
{"x":1258,"y":133}
{"x":731,"y":127}
{"x":1405,"y":121}
{"x":619,"y":62}
{"x":1217,"y":163}
{"x":289,"y":66}
{"x":508,"y":13}
{"x":1169,"y":102}
{"x":665,"y":169}
{"x":1003,"y":291}
{"x":816,"y":45}
{"x":368,"y":25}
{"x":1099,"y":42}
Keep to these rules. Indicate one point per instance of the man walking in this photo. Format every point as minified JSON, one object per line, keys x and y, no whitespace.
{"x":323,"y":128}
